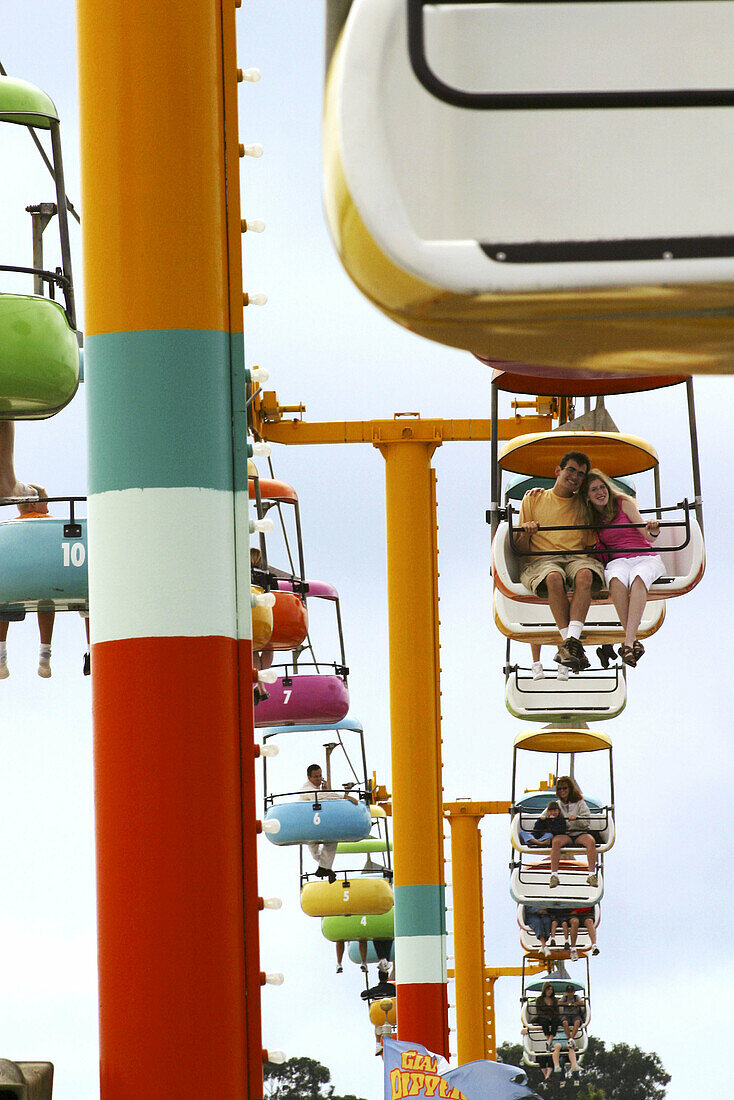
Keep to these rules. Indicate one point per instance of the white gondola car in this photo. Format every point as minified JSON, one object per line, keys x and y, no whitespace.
{"x":484,"y":190}
{"x":531,"y":864}
{"x":680,"y":546}
{"x":523,"y":621}
{"x":560,"y":985}
{"x":534,"y":1043}
{"x":601,"y":828}
{"x":529,"y":884}
{"x":590,"y":696}
{"x":680,"y":543}
{"x":531,"y":944}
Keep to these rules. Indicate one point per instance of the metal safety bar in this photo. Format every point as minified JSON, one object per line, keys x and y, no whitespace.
{"x":339,"y":670}
{"x":507,"y":513}
{"x":605,"y":675}
{"x":56,"y":277}
{"x":72,"y":529}
{"x":362,"y":795}
{"x":542,"y":101}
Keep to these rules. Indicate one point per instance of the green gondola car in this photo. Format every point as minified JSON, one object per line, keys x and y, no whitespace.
{"x":39,"y":345}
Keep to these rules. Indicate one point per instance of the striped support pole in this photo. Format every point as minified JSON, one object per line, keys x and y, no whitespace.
{"x":171,"y":657}
{"x":412,"y":584}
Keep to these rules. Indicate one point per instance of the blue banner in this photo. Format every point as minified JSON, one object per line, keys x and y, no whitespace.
{"x":411,"y":1070}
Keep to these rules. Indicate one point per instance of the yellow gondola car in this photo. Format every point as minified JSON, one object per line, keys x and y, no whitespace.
{"x":366,"y":896}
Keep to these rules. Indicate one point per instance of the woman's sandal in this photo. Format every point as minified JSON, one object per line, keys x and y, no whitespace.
{"x":627,"y":653}
{"x":638,"y":649}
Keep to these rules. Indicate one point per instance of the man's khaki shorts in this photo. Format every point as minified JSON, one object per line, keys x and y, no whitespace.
{"x":535,"y":573}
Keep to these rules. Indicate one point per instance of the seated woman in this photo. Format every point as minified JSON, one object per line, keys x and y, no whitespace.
{"x":628,"y":571}
{"x":577,"y":820}
{"x":547,"y":1013}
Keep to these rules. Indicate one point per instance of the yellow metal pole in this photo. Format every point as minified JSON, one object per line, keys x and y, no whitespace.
{"x":420,"y":908}
{"x":466,"y":871}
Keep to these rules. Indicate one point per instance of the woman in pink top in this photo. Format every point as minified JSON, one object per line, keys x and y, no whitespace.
{"x":628,"y":569}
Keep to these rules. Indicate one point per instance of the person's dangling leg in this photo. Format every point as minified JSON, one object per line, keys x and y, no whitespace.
{"x":45,"y":630}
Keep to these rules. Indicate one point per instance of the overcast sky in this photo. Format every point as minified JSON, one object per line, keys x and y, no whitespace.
{"x":667,"y":878}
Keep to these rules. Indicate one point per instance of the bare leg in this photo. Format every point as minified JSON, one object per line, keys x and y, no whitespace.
{"x":556,"y":846}
{"x":46,"y":626}
{"x":4,"y":631}
{"x":339,"y":952}
{"x":581,"y":597}
{"x":8,"y":481}
{"x":557,"y":599}
{"x":363,"y":950}
{"x":589,"y":844}
{"x":572,"y":1060}
{"x":574,"y":930}
{"x":621,"y":600}
{"x":589,"y":925}
{"x":535,"y":651}
{"x":556,"y":1055}
{"x":637,"y":601}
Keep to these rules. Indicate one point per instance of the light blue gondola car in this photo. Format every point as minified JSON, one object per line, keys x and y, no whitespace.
{"x":319,"y":821}
{"x":42,"y":567}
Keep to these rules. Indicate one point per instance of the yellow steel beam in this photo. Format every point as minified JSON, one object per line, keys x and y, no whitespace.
{"x":271,"y":425}
{"x":475,"y":809}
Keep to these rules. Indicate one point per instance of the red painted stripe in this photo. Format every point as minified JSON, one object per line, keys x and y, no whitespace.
{"x":251,"y":890}
{"x":170,"y":868}
{"x":426,"y":1007}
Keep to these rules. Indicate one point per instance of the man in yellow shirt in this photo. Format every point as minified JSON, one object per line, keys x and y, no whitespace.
{"x":566,"y":564}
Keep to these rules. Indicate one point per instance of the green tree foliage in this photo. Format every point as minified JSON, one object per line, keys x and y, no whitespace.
{"x":300,"y":1079}
{"x":620,"y":1072}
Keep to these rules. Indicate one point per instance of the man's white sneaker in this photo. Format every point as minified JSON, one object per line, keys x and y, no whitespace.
{"x":538,"y":673}
{"x":44,"y":669}
{"x":547,"y":951}
{"x":4,"y":670}
{"x":563,"y":672}
{"x":574,"y":955}
{"x":339,"y":968}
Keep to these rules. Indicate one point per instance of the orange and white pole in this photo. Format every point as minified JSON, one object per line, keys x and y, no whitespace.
{"x":179,"y":971}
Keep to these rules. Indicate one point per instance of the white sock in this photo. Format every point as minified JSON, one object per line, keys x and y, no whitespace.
{"x":44,"y":653}
{"x":3,"y":651}
{"x":575,"y":628}
{"x":564,"y":633}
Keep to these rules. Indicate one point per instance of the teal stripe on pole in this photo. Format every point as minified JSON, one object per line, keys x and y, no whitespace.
{"x":420,"y":910}
{"x":159,"y":401}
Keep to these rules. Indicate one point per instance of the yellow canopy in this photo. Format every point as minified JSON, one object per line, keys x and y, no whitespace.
{"x":615,"y":454}
{"x":562,"y":739}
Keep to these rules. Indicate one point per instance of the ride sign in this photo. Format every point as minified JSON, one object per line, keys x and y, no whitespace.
{"x":411,"y":1070}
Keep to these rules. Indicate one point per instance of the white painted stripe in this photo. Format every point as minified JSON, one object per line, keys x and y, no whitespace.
{"x":420,"y":959}
{"x":161,"y":564}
